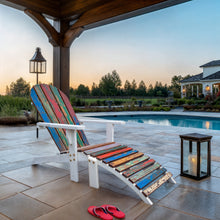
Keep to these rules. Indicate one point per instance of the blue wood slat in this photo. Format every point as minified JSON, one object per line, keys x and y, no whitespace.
{"x":45,"y":117}
{"x":119,"y":156}
{"x":150,"y":178}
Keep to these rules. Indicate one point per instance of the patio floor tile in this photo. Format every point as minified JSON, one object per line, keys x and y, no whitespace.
{"x":3,"y":217}
{"x":158,"y":213}
{"x":59,"y":192}
{"x":209,"y":184}
{"x":21,"y":207}
{"x":194,"y":201}
{"x":36,"y":175}
{"x":77,"y":209}
{"x":9,"y":187}
{"x":216,"y":173}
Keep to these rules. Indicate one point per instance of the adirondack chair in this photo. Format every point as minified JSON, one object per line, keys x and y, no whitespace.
{"x":138,"y":171}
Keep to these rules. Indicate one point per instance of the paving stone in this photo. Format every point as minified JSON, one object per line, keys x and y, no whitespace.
{"x":59,"y":192}
{"x":158,"y":213}
{"x":3,"y":217}
{"x":21,"y":207}
{"x":9,"y":187}
{"x":77,"y":209}
{"x":210,"y":183}
{"x":216,"y":173}
{"x":163,"y":191}
{"x":172,"y":165}
{"x":193,"y":201}
{"x":36,"y":175}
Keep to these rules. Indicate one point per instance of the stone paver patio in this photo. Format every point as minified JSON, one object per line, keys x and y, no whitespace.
{"x":46,"y":192}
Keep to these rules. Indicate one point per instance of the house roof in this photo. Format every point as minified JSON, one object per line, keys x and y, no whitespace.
{"x":194,"y":78}
{"x":212,"y":63}
{"x":199,"y":77}
{"x":213,"y":76}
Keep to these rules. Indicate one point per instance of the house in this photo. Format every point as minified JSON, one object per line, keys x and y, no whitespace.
{"x":205,"y":83}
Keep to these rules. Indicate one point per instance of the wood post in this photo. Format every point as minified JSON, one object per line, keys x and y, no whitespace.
{"x":61,"y":35}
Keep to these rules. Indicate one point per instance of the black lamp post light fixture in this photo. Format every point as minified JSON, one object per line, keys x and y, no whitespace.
{"x":37,"y":65}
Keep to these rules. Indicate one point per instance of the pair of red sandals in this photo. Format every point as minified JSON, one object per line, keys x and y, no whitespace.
{"x":106,"y":212}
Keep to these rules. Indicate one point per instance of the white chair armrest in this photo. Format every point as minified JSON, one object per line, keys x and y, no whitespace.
{"x":109,"y":126}
{"x":63,"y":126}
{"x":102,"y":121}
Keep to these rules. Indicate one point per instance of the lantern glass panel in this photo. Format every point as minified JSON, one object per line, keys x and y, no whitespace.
{"x":204,"y":158}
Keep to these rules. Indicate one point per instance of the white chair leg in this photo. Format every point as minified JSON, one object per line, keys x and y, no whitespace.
{"x":71,"y":136}
{"x":93,"y":172}
{"x":74,"y":174}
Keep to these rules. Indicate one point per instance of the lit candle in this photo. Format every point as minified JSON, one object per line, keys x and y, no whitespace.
{"x":192,"y":164}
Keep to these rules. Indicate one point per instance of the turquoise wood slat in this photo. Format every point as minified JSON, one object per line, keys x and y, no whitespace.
{"x":50,"y":113}
{"x":110,"y":159}
{"x":67,"y":114}
{"x":150,"y":178}
{"x":56,"y":108}
{"x":72,"y":114}
{"x":45,"y":117}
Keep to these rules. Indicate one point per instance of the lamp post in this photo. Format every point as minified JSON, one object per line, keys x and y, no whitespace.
{"x":37,"y":65}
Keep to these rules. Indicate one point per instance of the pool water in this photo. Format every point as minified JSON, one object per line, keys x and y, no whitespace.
{"x":170,"y":120}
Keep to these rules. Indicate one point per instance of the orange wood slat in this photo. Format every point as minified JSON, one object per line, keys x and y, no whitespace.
{"x":125,"y":159}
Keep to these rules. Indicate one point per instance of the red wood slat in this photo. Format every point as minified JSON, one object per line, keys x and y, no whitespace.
{"x":54,"y":105}
{"x":113,"y":153}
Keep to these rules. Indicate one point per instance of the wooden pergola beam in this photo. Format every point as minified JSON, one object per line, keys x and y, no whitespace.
{"x":50,"y":31}
{"x":119,"y":10}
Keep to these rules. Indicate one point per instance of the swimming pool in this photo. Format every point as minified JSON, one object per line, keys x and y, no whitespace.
{"x":170,"y":120}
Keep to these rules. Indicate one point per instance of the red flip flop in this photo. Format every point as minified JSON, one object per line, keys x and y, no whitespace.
{"x":99,"y":212}
{"x":116,"y":212}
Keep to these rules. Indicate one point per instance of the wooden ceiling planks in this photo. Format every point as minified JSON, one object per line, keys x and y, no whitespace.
{"x":90,"y":11}
{"x":51,"y":8}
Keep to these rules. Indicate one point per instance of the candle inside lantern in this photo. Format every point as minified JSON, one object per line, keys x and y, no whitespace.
{"x":192,"y":164}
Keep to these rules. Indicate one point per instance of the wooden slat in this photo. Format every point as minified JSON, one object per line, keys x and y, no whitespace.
{"x":56,"y":108}
{"x":68,"y":110}
{"x":119,"y":156}
{"x":150,"y":178}
{"x":138,"y":167}
{"x":157,"y":184}
{"x":126,"y":159}
{"x":143,"y":173}
{"x":45,"y":117}
{"x":101,"y":148}
{"x":115,"y":152}
{"x":50,"y":114}
{"x":107,"y":150}
{"x":131,"y":163}
{"x":89,"y":147}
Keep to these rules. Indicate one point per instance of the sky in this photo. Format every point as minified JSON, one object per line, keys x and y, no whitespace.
{"x":151,"y":47}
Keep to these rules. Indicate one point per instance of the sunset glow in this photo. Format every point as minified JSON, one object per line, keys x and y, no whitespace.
{"x":152,"y":47}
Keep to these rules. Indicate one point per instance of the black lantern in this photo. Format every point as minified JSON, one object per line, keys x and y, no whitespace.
{"x":37,"y":64}
{"x":195,"y":155}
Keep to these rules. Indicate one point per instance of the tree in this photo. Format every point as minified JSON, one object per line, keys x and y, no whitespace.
{"x":141,"y":90}
{"x":150,"y":91}
{"x":19,"y":88}
{"x":175,"y":85}
{"x":110,"y":84}
{"x":95,"y":91}
{"x":127,"y":88}
{"x":82,"y":90}
{"x":133,"y":87}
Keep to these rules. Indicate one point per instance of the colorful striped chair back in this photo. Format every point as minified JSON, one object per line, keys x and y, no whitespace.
{"x":54,"y":107}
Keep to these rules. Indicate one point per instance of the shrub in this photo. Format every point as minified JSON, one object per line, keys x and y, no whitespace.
{"x":7,"y":110}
